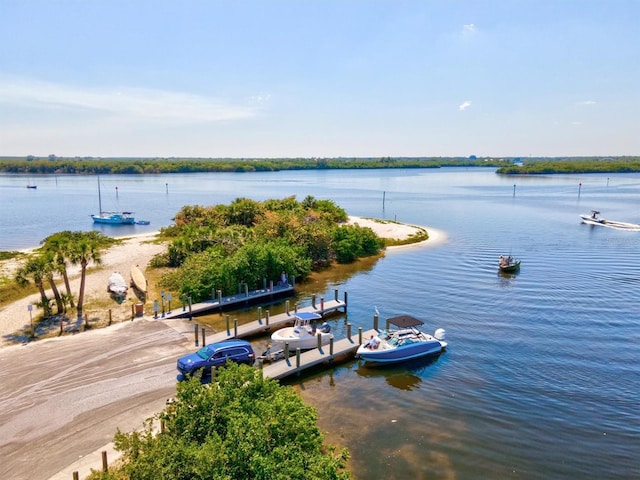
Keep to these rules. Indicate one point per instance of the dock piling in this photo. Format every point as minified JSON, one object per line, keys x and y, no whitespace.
{"x":349,"y":331}
{"x":286,"y":307}
{"x":195,"y":331}
{"x":235,"y":327}
{"x":331,"y":347}
{"x":228,"y":332}
{"x":376,"y":317}
{"x":204,"y":342}
{"x":298,"y":357}
{"x":313,"y":300}
{"x":260,"y":315}
{"x":360,"y":335}
{"x":266,"y":318}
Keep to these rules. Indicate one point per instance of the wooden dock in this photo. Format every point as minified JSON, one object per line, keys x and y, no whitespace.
{"x":300,"y":361}
{"x":265,"y":295}
{"x":268,"y":323}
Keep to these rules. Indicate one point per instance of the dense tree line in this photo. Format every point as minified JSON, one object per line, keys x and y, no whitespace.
{"x":247,"y":242}
{"x":242,"y":426}
{"x":573,"y":165}
{"x":83,"y":165}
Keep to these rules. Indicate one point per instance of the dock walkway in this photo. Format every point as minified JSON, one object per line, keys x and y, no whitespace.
{"x":221,"y":303}
{"x":300,"y":361}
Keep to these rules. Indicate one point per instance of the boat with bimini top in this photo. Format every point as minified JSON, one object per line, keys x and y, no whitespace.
{"x":405,"y":342}
{"x":303,"y":334}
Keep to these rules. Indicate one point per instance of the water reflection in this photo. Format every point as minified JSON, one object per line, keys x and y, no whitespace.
{"x":406,"y":376}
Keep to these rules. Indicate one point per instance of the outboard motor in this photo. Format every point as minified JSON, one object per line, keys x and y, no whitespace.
{"x":440,"y":334}
{"x":325,"y":328}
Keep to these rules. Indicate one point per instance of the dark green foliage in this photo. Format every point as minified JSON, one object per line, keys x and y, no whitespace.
{"x":547,"y":166}
{"x":250,"y":243}
{"x":353,"y":241}
{"x":242,"y":426}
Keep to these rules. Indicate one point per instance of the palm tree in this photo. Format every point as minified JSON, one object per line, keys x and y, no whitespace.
{"x":61,"y":244}
{"x":50,"y":267}
{"x":86,"y":248}
{"x":35,"y":269}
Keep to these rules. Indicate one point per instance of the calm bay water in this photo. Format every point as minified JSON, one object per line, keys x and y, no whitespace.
{"x":542,"y":376}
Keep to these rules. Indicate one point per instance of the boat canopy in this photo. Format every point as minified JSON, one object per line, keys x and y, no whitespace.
{"x":307,"y":316}
{"x":405,"y":321}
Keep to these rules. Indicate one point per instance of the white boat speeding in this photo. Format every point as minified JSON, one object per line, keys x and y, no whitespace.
{"x":401,"y":344}
{"x":595,"y":219}
{"x":304,"y":332}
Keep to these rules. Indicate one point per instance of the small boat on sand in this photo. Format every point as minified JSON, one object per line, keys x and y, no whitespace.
{"x":405,"y":342}
{"x":117,"y":285}
{"x":138,"y":279}
{"x":508,"y":264}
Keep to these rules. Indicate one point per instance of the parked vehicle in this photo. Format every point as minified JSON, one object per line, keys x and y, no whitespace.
{"x":216,"y":355}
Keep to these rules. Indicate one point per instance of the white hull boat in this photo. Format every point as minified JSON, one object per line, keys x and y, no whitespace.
{"x":402,"y":344}
{"x":304,"y":332}
{"x":117,"y":285}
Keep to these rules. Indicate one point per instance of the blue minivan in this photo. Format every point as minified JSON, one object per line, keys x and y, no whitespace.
{"x":216,"y":355}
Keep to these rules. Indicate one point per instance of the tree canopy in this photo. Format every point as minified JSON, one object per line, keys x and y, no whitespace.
{"x":240,"y":426}
{"x":246,"y":242}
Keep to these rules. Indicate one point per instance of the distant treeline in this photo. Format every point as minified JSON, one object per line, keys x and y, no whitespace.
{"x":92,"y":165}
{"x":506,"y":165}
{"x":573,"y":165}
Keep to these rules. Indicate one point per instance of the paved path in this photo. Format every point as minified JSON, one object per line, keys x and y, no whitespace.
{"x":63,"y":399}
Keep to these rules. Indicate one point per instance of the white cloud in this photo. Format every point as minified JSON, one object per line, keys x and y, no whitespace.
{"x":587,"y":102}
{"x":124,"y":103}
{"x":469,"y":29}
{"x":464,"y":105}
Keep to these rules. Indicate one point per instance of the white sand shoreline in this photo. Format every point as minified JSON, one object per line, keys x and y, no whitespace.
{"x":139,"y":249}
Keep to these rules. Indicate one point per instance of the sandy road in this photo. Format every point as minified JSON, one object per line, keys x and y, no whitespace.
{"x":62,"y":399}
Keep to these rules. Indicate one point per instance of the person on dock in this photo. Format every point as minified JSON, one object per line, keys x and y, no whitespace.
{"x":283,"y":279}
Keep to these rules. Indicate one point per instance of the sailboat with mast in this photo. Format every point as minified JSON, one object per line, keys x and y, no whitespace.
{"x":112,"y":218}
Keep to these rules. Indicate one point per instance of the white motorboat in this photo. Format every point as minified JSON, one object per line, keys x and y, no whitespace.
{"x":117,"y":285}
{"x":304,"y":332}
{"x":595,"y":219}
{"x":401,"y":344}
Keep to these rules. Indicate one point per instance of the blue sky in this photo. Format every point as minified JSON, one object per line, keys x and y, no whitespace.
{"x":319,"y":78}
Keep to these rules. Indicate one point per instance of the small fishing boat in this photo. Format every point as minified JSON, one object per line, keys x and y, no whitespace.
{"x":405,"y":342}
{"x":32,"y":186}
{"x":117,"y":285}
{"x":508,"y":264}
{"x":303,"y":334}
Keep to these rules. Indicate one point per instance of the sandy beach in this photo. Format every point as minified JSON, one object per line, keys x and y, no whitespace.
{"x":139,"y":250}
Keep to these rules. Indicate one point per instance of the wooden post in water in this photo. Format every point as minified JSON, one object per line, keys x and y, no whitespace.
{"x":298,"y":357}
{"x":331,"y":346}
{"x":376,"y":317}
{"x":514,"y":189}
{"x":286,"y":307}
{"x":259,"y":315}
{"x":359,"y":335}
{"x":228,"y":325}
{"x":235,"y":327}
{"x":349,"y":330}
{"x":246,"y":290}
{"x":190,"y":312}
{"x":220,"y":297}
{"x":345,"y":302}
{"x":335,"y":294}
{"x":195,"y":331}
{"x":313,"y":301}
{"x":204,"y":341}
{"x":266,"y":318}
{"x":286,"y":351}
{"x":322,"y":306}
{"x":319,"y":336}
